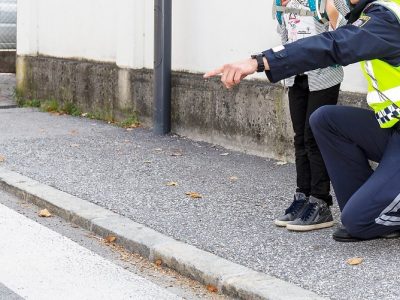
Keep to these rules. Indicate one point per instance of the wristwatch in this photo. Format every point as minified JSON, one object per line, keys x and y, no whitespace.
{"x":260,"y":61}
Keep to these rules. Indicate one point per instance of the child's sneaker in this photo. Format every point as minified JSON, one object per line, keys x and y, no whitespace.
{"x":316,"y":215}
{"x":300,"y":201}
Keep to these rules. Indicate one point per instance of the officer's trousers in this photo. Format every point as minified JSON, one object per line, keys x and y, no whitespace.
{"x":369,"y":200}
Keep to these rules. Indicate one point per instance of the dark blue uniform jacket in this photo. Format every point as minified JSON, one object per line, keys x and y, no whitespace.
{"x":376,"y":37}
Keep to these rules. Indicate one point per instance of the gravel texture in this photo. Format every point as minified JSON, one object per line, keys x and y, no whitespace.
{"x":127,"y":171}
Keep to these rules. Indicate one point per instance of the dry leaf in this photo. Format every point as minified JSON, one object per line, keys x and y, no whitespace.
{"x":158,"y":262}
{"x":355,"y":261}
{"x":212,"y":288}
{"x":129,"y":129}
{"x":2,"y":158}
{"x":110,"y":239}
{"x":74,"y":145}
{"x":147,"y":162}
{"x":194,"y":195}
{"x":73,"y":132}
{"x":224,"y":154}
{"x":84,"y":115}
{"x":281,"y":163}
{"x":233,"y":178}
{"x":176,"y":154}
{"x":172,"y":183}
{"x":158,"y":149}
{"x":44,"y":213}
{"x":134,"y":125}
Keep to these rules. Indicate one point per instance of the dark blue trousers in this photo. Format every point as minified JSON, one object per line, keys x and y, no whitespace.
{"x":369,"y":200}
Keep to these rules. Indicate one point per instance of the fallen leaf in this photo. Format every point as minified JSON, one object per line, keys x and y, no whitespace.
{"x":129,"y":129}
{"x":224,"y":154}
{"x":158,"y":262}
{"x":177,"y":154}
{"x":44,"y":213}
{"x":74,"y":145}
{"x":233,"y":178}
{"x":2,"y":158}
{"x":355,"y":261}
{"x":73,"y":132}
{"x":158,"y":149}
{"x":84,"y":115}
{"x":147,"y":162}
{"x":212,"y":288}
{"x":134,"y":125}
{"x":172,"y":183}
{"x":110,"y":239}
{"x":194,"y":195}
{"x":281,"y":163}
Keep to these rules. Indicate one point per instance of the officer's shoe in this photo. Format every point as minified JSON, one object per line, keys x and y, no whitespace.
{"x":316,"y":215}
{"x":299,"y":203}
{"x":341,"y":235}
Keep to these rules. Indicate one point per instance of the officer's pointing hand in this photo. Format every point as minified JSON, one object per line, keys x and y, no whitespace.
{"x":232,"y":74}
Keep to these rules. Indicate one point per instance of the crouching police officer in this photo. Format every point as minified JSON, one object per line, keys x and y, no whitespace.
{"x":349,"y":137}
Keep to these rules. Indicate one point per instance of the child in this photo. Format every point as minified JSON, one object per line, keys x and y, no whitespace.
{"x":307,"y":92}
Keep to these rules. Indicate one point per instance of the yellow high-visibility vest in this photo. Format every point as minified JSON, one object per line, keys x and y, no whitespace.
{"x":384,"y":81}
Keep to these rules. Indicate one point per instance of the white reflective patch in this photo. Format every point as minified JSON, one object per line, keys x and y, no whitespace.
{"x":278,"y":48}
{"x":386,"y":220}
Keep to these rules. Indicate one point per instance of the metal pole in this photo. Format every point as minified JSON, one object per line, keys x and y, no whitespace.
{"x":162,"y":66}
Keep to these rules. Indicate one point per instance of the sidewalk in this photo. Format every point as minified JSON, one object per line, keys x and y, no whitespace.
{"x":127,"y":172}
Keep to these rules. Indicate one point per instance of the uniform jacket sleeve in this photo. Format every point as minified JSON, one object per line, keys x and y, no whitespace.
{"x":377,"y":38}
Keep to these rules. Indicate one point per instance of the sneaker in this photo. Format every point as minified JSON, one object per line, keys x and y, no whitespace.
{"x":300,"y":201}
{"x":316,"y":215}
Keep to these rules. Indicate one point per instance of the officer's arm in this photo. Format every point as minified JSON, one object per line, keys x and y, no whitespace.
{"x":377,"y":37}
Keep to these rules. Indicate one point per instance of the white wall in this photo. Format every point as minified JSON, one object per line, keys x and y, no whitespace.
{"x":206,"y":33}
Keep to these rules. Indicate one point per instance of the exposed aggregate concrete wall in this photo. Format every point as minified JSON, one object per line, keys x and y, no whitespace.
{"x":253,"y":117}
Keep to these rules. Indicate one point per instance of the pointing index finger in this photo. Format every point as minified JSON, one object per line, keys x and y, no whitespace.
{"x":213,"y":73}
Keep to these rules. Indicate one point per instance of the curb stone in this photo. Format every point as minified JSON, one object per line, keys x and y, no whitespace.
{"x":230,"y":278}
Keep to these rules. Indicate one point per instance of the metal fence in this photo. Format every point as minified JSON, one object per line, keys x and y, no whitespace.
{"x":8,"y":24}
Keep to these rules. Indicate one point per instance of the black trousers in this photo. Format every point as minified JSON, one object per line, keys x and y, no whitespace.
{"x":312,"y":176}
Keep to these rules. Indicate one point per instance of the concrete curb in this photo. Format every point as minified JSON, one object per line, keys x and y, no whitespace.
{"x":232,"y":279}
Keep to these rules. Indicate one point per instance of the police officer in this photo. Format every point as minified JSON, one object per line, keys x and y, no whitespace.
{"x":349,"y":137}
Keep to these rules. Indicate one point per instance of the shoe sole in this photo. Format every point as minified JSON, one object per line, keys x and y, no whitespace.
{"x":280,"y":223}
{"x":354,"y":240}
{"x":346,"y":240}
{"x":293,"y":227}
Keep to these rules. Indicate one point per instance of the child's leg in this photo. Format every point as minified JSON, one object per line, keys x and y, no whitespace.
{"x":320,"y":182}
{"x":298,"y":100}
